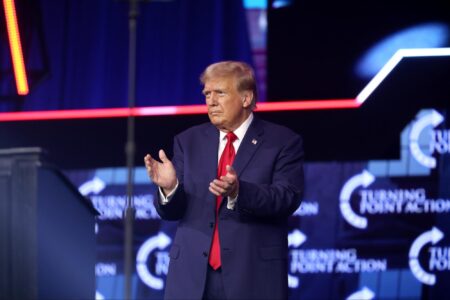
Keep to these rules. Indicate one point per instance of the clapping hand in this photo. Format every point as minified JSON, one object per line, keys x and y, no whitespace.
{"x":161,"y":173}
{"x":227,"y":185}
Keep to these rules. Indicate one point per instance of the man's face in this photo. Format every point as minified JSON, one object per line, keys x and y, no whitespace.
{"x":227,"y":107}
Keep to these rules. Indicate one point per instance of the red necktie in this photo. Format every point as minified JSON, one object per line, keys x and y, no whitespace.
{"x":227,"y":158}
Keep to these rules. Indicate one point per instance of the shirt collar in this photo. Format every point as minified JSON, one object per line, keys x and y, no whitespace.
{"x":241,"y":130}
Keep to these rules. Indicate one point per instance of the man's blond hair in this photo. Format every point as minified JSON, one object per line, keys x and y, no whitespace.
{"x":242,"y":72}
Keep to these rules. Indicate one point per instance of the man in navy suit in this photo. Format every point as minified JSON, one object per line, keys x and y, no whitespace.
{"x":231,"y":239}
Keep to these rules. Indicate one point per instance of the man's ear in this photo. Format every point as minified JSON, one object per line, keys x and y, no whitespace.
{"x":247,"y":97}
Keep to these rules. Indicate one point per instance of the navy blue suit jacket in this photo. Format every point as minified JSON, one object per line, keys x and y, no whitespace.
{"x":253,"y":236}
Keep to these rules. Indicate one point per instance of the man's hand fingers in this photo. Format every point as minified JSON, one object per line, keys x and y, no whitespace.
{"x":219,"y":186}
{"x":162,"y":173}
{"x":228,"y":179}
{"x":149,"y":165}
{"x":216,"y":193}
{"x":230,"y":170}
{"x":231,"y":174}
{"x":148,"y":160}
{"x":163,"y":156}
{"x":224,"y":184}
{"x":216,"y":190}
{"x":232,"y":178}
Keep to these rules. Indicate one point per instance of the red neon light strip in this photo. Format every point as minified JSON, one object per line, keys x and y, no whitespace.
{"x":308,"y":105}
{"x":169,"y":110}
{"x":16,"y":47}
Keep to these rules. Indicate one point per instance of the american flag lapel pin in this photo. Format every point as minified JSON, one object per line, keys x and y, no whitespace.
{"x":254,"y":141}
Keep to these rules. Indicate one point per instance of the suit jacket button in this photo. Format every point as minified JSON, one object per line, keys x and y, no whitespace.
{"x":205,"y":254}
{"x":211,"y":225}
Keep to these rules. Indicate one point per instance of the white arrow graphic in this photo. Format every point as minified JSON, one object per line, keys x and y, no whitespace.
{"x":99,"y":296}
{"x":96,"y":185}
{"x":293,"y":282}
{"x":363,"y":179}
{"x":296,"y":238}
{"x":432,"y":236}
{"x":160,"y":241}
{"x":363,"y":294}
{"x":432,"y":119}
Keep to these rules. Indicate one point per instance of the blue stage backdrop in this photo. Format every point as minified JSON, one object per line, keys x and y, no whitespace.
{"x":76,"y":52}
{"x":365,"y":230}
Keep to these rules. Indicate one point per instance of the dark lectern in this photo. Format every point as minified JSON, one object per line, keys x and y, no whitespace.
{"x":47,"y":238}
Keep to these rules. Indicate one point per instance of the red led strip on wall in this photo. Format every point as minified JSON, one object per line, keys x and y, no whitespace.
{"x":169,"y":110}
{"x":16,"y":47}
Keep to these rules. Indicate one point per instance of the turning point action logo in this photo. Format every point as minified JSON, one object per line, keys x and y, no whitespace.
{"x":382,"y":201}
{"x":112,"y":205}
{"x":439,"y":139}
{"x":153,"y":248}
{"x":327,"y":261}
{"x":364,"y":179}
{"x":439,"y":258}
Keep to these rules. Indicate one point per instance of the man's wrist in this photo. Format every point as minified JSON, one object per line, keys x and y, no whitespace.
{"x":234,"y":193}
{"x":165,"y":196}
{"x":169,"y":190}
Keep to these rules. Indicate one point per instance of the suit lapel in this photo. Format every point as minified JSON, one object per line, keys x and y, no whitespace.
{"x":252,"y":140}
{"x":208,"y":152}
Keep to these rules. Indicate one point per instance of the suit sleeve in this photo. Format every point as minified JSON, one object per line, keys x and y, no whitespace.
{"x":175,"y":208}
{"x":283,"y":195}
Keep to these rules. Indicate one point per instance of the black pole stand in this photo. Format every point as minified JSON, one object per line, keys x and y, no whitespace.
{"x":130,"y":149}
